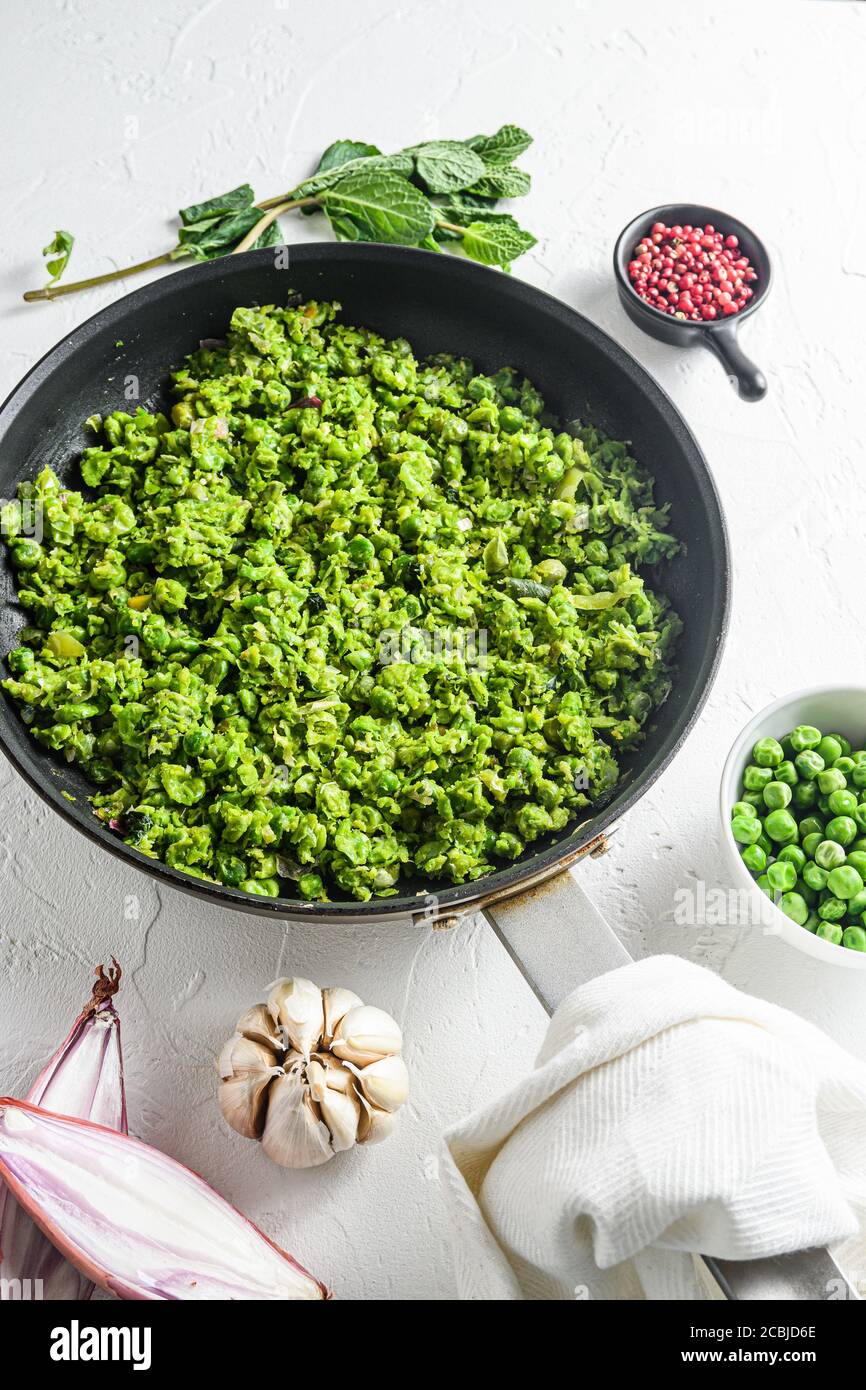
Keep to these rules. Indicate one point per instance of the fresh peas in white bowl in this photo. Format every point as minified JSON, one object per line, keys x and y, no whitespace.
{"x":793,"y":811}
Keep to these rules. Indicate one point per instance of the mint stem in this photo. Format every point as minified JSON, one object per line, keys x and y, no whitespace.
{"x":54,"y":291}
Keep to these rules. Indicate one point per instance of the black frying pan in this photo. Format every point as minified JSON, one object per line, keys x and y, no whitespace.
{"x":440,"y":303}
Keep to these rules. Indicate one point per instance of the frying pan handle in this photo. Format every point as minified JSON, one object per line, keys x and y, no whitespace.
{"x":558,"y":940}
{"x":749,"y":380}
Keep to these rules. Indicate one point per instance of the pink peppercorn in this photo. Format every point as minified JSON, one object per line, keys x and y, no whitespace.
{"x":697,"y":273}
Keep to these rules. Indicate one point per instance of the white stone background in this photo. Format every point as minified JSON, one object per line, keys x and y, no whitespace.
{"x":114,"y":115}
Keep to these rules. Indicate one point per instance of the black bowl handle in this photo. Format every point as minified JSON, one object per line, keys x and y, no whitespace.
{"x":749,"y":380}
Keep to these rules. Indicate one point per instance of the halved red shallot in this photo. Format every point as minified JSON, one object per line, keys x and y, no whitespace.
{"x":135,"y":1221}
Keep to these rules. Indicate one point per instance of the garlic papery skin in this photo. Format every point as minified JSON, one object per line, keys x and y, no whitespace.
{"x":337,"y":1003}
{"x":312,"y":1073}
{"x":294,"y":1135}
{"x":296,"y":1005}
{"x":385,"y":1083}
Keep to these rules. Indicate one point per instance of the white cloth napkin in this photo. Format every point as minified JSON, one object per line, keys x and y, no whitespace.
{"x":668,"y":1113}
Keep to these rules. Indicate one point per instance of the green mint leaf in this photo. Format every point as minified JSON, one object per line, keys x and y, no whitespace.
{"x":504,"y":147}
{"x":342,"y":151}
{"x":399,"y":163}
{"x":509,"y":182}
{"x":497,"y":242}
{"x":339,"y":153}
{"x":464,"y":209}
{"x":241,"y":197}
{"x":213,"y":237}
{"x":447,"y":166}
{"x":382,"y":205}
{"x":271,"y":236}
{"x":60,"y":248}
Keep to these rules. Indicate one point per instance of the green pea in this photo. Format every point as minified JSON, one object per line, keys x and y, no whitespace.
{"x":831,"y":780}
{"x":805,"y":796}
{"x":743,"y":808}
{"x":754,"y":858}
{"x":830,"y":748}
{"x":832,"y":909}
{"x":844,"y":882}
{"x":745,"y":829}
{"x":809,"y":895}
{"x":860,"y":844}
{"x":842,"y":803}
{"x":786,"y":772}
{"x":842,"y":829}
{"x":765,"y":843}
{"x":764,"y":884}
{"x":361,"y":551}
{"x":811,"y":842}
{"x":782,"y":876}
{"x":812,"y":922}
{"x":755,"y":778}
{"x":830,"y":931}
{"x":859,"y":814}
{"x":854,"y":938}
{"x":755,"y":799}
{"x":843,"y":744}
{"x":793,"y":855}
{"x":804,"y":736}
{"x":858,"y":756}
{"x":767,"y":752}
{"x":780,"y":826}
{"x":829,"y":854}
{"x":794,"y":905}
{"x":777,"y":796}
{"x":858,"y":776}
{"x":823,"y":807}
{"x":857,"y":859}
{"x":845,"y":766}
{"x":809,"y":825}
{"x":809,"y":763}
{"x":815,"y":876}
{"x":857,"y":904}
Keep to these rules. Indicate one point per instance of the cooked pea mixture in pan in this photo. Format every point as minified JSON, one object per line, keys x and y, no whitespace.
{"x":346,"y":616}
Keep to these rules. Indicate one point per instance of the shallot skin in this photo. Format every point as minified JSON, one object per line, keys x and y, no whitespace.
{"x":134,"y":1221}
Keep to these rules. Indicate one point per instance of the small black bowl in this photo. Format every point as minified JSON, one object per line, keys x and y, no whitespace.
{"x":718,"y":334}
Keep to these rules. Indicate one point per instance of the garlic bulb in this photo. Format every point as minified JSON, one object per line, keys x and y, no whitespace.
{"x":311,"y":1073}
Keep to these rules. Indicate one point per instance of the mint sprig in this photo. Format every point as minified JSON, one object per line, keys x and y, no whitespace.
{"x":439,"y":193}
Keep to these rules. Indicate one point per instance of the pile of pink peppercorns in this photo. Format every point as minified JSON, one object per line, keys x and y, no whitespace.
{"x":694,"y":273}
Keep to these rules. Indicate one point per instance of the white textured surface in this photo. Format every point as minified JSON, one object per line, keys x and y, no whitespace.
{"x":124,"y":112}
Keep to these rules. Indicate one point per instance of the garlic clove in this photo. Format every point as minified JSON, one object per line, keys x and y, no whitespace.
{"x":243,"y":1102}
{"x":296,"y":1005}
{"x":374,"y":1124}
{"x":341,"y":1111}
{"x":385,"y":1083}
{"x":339,"y":1077}
{"x":258,"y":1026}
{"x":246,"y":1071}
{"x":366,"y":1033}
{"x":294,"y":1135}
{"x":337,"y":1004}
{"x":317,"y":1079}
{"x":240,"y":1055}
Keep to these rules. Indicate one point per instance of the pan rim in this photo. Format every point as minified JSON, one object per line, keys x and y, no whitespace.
{"x":457,"y":899}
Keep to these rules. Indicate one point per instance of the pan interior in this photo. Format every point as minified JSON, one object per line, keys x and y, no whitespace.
{"x":121,"y":359}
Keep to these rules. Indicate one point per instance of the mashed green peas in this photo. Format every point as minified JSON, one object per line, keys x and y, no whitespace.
{"x":346,"y":615}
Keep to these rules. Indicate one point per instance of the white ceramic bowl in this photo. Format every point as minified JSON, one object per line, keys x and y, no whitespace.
{"x":832,"y":709}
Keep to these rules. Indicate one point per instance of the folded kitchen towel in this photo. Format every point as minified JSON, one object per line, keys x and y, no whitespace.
{"x":668,"y":1113}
